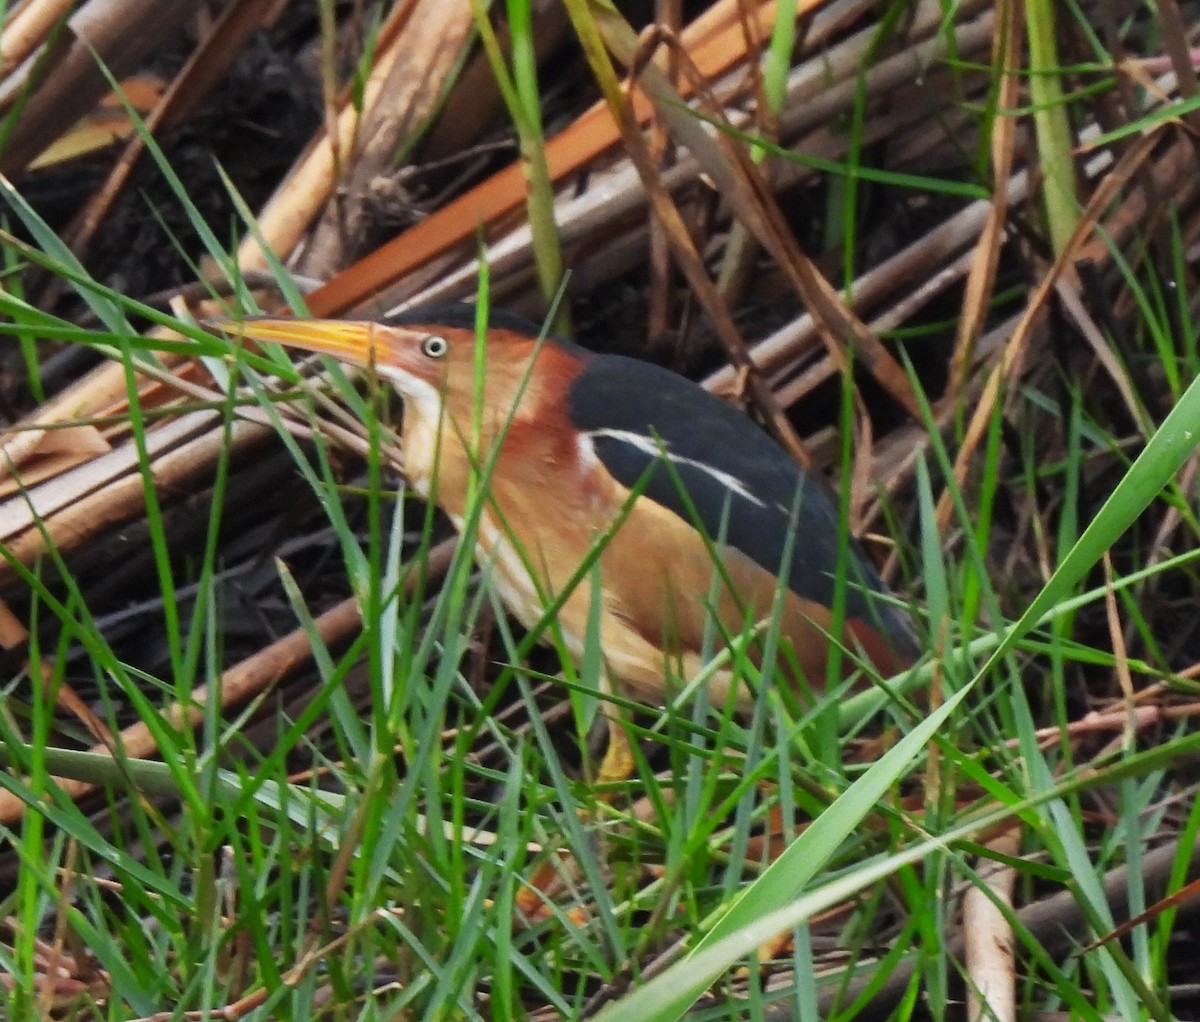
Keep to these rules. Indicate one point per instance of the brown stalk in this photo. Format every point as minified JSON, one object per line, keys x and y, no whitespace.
{"x":12,"y":632}
{"x":1013,"y":359}
{"x":86,"y":398}
{"x":92,"y":498}
{"x":738,"y":259}
{"x":1175,"y":36}
{"x":58,"y":449}
{"x":686,"y":255}
{"x":988,"y":937}
{"x":981,"y":281}
{"x":76,"y":497}
{"x":1073,"y":306}
{"x":607,"y":209}
{"x":120,"y":36}
{"x":204,"y":68}
{"x":741,"y":184}
{"x":27,"y":29}
{"x":658,"y":315}
{"x":716,"y":47}
{"x":474,"y":101}
{"x":299,"y":200}
{"x":434,"y":37}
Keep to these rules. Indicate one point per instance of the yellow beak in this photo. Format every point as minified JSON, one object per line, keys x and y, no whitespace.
{"x":355,"y":341}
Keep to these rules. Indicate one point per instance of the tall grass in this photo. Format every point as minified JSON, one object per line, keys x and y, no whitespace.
{"x":375,"y":858}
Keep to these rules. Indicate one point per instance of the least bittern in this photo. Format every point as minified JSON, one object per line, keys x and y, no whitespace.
{"x":723,"y":520}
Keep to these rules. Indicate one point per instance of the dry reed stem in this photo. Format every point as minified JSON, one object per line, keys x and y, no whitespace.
{"x":1013,"y":359}
{"x":87,"y":398}
{"x":988,"y":954}
{"x":297,"y":202}
{"x":207,"y":63}
{"x":27,"y":29}
{"x":741,"y":184}
{"x":686,"y":254}
{"x":714,"y":50}
{"x":105,"y":492}
{"x":121,"y":33}
{"x":981,"y":281}
{"x":434,"y":37}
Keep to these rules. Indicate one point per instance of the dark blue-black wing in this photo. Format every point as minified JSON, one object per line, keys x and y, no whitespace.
{"x":727,"y":475}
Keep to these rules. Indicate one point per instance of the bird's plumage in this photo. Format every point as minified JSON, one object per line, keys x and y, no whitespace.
{"x":724,"y":471}
{"x":575,"y":434}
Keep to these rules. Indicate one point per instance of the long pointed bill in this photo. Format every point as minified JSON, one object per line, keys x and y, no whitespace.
{"x":352,"y":341}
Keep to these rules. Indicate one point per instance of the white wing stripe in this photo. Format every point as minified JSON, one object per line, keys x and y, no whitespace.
{"x":659,"y":449}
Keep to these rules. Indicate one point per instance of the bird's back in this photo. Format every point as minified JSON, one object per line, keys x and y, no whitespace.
{"x":708,"y":464}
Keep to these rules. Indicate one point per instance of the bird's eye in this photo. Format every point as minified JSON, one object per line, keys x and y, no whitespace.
{"x":435,"y":346}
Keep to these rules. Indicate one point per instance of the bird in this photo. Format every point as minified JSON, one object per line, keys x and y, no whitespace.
{"x":701,"y":519}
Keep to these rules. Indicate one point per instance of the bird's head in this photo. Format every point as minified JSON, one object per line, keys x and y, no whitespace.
{"x":431,"y":355}
{"x":443,"y":373}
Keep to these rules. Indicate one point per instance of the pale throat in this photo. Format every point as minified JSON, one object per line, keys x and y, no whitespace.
{"x":434,"y":443}
{"x":419,"y":432}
